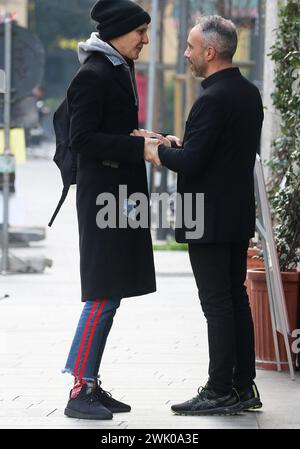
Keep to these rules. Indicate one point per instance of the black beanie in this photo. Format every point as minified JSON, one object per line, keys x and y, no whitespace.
{"x":118,"y":17}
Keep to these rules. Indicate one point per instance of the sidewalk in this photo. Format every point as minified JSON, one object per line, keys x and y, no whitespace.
{"x":157,"y":351}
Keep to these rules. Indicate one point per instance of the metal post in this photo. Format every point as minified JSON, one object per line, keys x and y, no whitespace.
{"x":152,"y":75}
{"x":8,"y":262}
{"x":7,"y":103}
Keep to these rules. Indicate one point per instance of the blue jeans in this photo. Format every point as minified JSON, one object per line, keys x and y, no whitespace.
{"x":90,"y":338}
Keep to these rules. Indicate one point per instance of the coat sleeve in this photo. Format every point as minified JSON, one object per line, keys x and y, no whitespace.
{"x":203,"y":129}
{"x":86,"y":98}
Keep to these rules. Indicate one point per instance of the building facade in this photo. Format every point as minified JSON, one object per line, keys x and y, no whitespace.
{"x":19,"y":8}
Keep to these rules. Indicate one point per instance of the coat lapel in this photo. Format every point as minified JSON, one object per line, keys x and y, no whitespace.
{"x":123,"y":78}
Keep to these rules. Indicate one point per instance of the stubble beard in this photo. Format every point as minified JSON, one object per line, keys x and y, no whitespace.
{"x":198,"y":71}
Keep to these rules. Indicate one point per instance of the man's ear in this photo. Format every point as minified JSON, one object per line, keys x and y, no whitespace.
{"x":210,"y":53}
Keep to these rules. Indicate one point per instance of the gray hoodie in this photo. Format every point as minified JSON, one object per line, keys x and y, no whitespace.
{"x":93,"y":44}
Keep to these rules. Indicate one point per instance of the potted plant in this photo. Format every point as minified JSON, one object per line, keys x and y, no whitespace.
{"x":284,"y":191}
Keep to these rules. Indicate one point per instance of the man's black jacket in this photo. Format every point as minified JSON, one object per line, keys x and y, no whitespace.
{"x":221,"y":140}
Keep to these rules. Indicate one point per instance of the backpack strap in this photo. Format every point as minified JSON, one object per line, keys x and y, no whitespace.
{"x":60,"y":203}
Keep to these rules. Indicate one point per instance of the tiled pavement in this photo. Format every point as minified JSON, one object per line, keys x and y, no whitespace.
{"x":156,"y":353}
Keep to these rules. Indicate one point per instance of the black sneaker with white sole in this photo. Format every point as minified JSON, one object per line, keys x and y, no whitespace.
{"x":207,"y":402}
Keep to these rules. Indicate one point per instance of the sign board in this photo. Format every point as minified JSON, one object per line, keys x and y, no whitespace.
{"x":277,"y":304}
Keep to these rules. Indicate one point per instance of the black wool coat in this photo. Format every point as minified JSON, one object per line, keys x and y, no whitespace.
{"x":113,"y":261}
{"x":221,"y":140}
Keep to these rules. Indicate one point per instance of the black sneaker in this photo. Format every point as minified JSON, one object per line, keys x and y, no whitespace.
{"x":109,"y":402}
{"x":86,"y":406}
{"x":250,"y":398}
{"x":207,"y":402}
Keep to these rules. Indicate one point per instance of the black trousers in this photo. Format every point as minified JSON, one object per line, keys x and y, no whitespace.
{"x":220,"y":273}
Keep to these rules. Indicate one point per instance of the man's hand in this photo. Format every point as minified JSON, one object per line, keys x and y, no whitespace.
{"x":144,"y":133}
{"x":175,"y":139}
{"x":150,"y":151}
{"x":150,"y":134}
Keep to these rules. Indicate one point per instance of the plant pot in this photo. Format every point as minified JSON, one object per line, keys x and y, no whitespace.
{"x":258,"y":296}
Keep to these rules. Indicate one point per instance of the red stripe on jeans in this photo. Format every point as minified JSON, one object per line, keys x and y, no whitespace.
{"x":91,"y":338}
{"x":84,"y":338}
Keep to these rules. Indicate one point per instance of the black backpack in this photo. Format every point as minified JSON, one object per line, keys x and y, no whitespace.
{"x":64,"y":158}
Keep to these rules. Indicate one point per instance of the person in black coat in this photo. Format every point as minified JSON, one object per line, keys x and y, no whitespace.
{"x":115,"y":261}
{"x":216,"y":175}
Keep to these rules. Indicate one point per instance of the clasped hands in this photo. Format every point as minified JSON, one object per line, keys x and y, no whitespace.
{"x":152,"y":142}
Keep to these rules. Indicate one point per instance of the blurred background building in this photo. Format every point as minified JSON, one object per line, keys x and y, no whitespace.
{"x":17,"y":7}
{"x":61,"y":24}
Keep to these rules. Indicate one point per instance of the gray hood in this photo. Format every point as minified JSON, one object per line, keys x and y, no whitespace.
{"x":94,"y":43}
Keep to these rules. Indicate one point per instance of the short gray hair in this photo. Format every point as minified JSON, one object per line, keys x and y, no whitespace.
{"x":219,"y":33}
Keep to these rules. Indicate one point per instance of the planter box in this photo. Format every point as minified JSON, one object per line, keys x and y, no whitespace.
{"x":258,"y":296}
